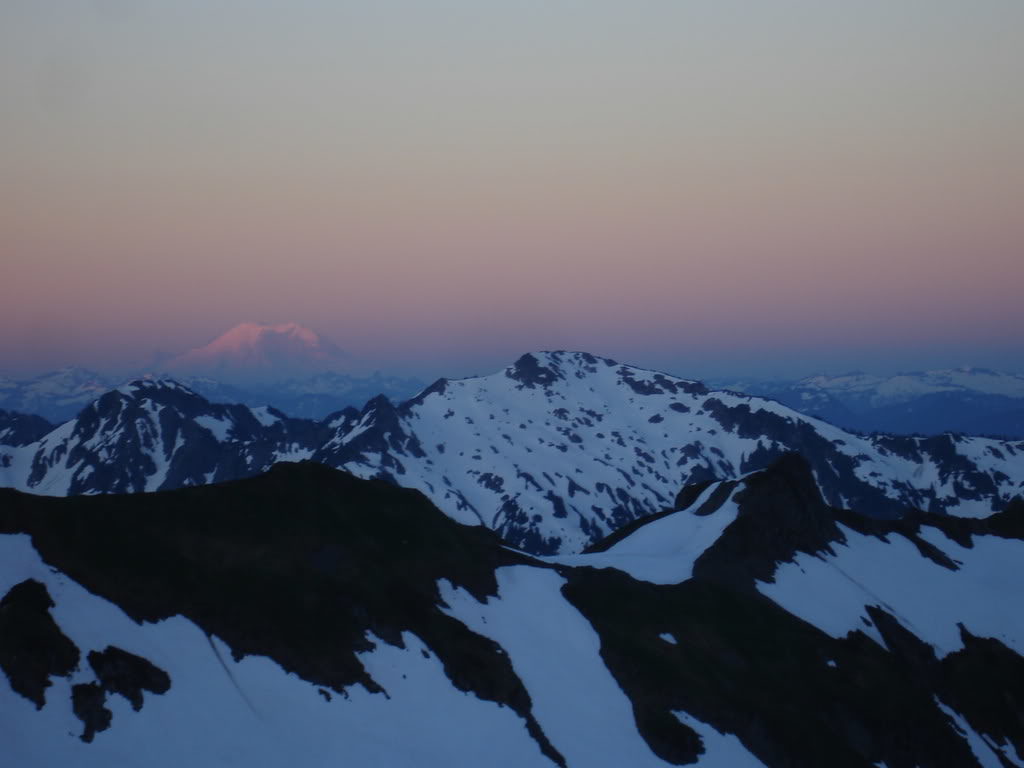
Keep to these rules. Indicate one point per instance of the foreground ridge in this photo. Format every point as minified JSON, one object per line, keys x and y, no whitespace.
{"x":308,"y":611}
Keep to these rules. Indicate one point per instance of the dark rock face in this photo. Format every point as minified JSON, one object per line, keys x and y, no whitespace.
{"x":119,"y":672}
{"x":749,"y":668}
{"x":32,"y":646}
{"x":353,"y":557}
{"x":383,"y":435}
{"x":529,"y":372}
{"x":18,"y":429}
{"x":127,"y":674}
{"x":88,"y":703}
{"x":781,"y":513}
{"x":365,"y":557}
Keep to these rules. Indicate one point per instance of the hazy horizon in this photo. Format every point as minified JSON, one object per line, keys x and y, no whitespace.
{"x":708,"y":188}
{"x":757,"y":364}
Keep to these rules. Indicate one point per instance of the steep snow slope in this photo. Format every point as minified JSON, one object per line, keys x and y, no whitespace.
{"x":245,"y":712}
{"x":562,"y":448}
{"x":307,"y":617}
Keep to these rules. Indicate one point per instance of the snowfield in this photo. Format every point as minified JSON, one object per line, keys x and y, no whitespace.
{"x":586,"y":693}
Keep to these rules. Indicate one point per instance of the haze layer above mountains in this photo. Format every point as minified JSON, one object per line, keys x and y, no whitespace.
{"x":301,"y":372}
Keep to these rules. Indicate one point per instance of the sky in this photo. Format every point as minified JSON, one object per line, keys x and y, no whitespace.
{"x":707,"y":186}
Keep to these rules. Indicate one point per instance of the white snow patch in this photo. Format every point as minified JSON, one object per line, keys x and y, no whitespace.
{"x":264,"y":416}
{"x":556,"y":653}
{"x":663,"y":551}
{"x":721,"y":750}
{"x":832,"y":592}
{"x":217,"y":427}
{"x":983,"y":750}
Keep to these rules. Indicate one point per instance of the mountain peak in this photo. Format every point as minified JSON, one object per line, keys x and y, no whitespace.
{"x":260,"y":351}
{"x":152,"y":384}
{"x":545,"y":368}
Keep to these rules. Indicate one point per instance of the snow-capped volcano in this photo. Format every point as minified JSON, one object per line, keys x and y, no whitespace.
{"x":257,"y":352}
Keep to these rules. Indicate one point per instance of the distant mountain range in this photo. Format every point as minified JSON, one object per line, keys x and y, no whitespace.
{"x":61,"y":395}
{"x":974,"y":401}
{"x":307,"y":617}
{"x":554,"y":453}
{"x":56,"y":396}
{"x":286,"y":366}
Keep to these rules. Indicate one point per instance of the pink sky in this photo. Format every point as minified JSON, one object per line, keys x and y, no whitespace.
{"x":706,"y":184}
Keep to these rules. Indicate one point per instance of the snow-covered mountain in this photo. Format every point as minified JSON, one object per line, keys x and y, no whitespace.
{"x":968,"y":400}
{"x":153,"y":434}
{"x":307,"y":617}
{"x":56,"y":396}
{"x":554,"y":452}
{"x":260,"y":353}
{"x":902,"y":387}
{"x":562,"y":448}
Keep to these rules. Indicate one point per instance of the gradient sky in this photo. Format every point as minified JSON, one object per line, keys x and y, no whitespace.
{"x":708,"y":186}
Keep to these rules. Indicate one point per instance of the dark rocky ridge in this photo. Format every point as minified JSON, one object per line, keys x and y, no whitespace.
{"x":18,"y":429}
{"x":748,"y":667}
{"x":32,"y":647}
{"x":365,"y":557}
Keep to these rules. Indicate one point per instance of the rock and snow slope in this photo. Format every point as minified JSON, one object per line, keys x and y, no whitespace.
{"x":553,"y":453}
{"x":562,"y":448}
{"x":308,"y":617}
{"x":149,"y":435}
